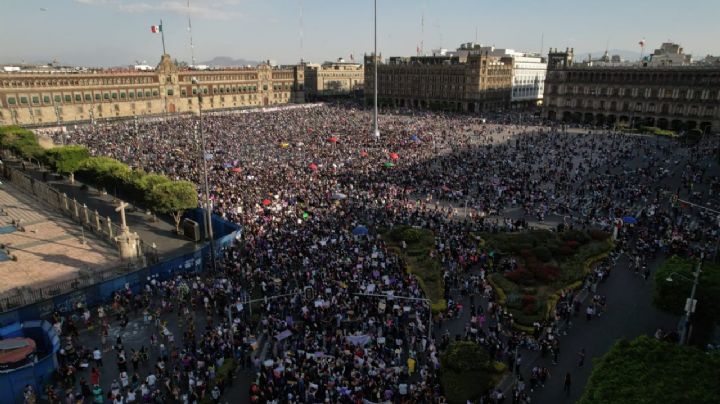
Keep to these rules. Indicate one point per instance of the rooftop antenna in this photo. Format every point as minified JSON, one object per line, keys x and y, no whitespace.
{"x":192,"y":47}
{"x":422,"y":32}
{"x":542,"y":43}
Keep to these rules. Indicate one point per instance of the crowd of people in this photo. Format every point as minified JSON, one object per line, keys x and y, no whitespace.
{"x":300,"y":181}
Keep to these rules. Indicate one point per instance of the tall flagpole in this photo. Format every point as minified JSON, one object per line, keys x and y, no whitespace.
{"x":162,"y":34}
{"x":192,"y":47}
{"x":375,"y":62}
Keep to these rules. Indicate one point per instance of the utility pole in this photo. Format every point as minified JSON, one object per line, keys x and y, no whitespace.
{"x":208,"y":210}
{"x":691,"y":303}
{"x":137,"y":140}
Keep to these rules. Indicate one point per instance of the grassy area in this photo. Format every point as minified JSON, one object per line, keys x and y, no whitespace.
{"x":416,"y":256}
{"x":547,"y":262}
{"x":467,"y":372}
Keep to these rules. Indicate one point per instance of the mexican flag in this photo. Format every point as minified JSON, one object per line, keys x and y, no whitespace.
{"x":155,"y":29}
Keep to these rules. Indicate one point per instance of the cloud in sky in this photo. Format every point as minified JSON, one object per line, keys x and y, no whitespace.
{"x":207,"y":9}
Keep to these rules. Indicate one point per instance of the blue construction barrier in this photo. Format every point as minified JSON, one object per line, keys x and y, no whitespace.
{"x":221,"y":227}
{"x":37,"y":373}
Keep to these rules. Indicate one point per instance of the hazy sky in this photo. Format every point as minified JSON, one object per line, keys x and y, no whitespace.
{"x":117,"y":32}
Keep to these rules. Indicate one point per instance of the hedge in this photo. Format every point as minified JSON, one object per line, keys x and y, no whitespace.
{"x":417,"y":261}
{"x":468,"y":372}
{"x":224,"y":372}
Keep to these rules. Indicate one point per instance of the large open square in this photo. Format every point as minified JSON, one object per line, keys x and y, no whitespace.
{"x":361,"y":202}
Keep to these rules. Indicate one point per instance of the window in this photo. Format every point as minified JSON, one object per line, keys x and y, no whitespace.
{"x":106,"y":96}
{"x":68,"y":98}
{"x":58,"y":98}
{"x":148,"y":93}
{"x":78,"y":98}
{"x":36,"y":100}
{"x":97,"y":96}
{"x":170,"y":91}
{"x":183,"y":92}
{"x":88,"y":97}
{"x":194,"y":91}
{"x":131,"y":94}
{"x":205,"y":90}
{"x":11,"y":100}
{"x":114,"y":96}
{"x":139,"y":94}
{"x":46,"y":99}
{"x":155,"y":93}
{"x":122,"y":95}
{"x":23,"y":100}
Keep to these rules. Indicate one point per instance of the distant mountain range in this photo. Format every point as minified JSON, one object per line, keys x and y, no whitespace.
{"x":226,"y":61}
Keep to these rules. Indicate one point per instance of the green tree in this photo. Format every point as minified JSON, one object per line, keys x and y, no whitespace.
{"x":648,"y":371}
{"x":174,"y":198}
{"x":671,"y":296}
{"x":106,"y":171}
{"x":67,"y":159}
{"x":146,"y":183}
{"x":22,"y":142}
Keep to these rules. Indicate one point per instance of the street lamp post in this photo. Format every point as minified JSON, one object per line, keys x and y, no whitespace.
{"x":208,"y":212}
{"x":417,"y":299}
{"x":375,"y":66}
{"x":690,"y":303}
{"x":57,"y":118}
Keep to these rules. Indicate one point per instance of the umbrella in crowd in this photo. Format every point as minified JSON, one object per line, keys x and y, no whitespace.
{"x":360,"y":230}
{"x":333,"y":139}
{"x":394,"y":156}
{"x":338,"y":196}
{"x":415,"y":138}
{"x":389,"y":164}
{"x":236,"y":169}
{"x":266,"y":202}
{"x":313,"y":166}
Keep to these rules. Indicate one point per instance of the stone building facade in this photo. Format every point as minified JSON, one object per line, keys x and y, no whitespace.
{"x":680,"y":98}
{"x":333,"y":78}
{"x":56,"y":98}
{"x":471,"y":83}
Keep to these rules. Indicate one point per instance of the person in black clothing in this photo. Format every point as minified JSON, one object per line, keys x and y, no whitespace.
{"x":566,"y":384}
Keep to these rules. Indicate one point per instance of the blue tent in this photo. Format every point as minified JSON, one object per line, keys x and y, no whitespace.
{"x":414,"y":138}
{"x":360,"y":231}
{"x":629,"y":220}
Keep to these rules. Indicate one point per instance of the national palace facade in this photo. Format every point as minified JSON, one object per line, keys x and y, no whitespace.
{"x":680,"y":98}
{"x":52,"y":97}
